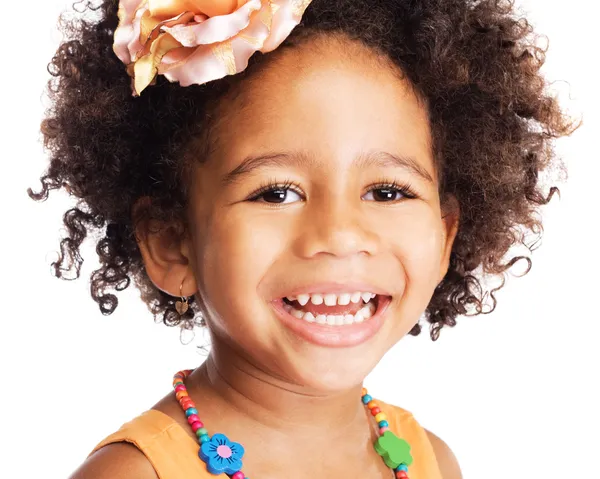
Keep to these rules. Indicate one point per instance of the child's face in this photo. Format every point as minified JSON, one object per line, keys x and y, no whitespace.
{"x":329,"y":121}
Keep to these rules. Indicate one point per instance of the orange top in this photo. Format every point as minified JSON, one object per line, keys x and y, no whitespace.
{"x":174,"y":454}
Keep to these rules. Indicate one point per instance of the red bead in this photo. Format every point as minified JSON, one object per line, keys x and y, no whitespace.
{"x":238,"y":475}
{"x":193,"y":418}
{"x":401,"y":475}
{"x":181,"y":387}
{"x":375,"y":411}
{"x":197,"y":425}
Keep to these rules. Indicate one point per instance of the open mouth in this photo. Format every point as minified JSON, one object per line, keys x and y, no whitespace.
{"x":338,"y":320}
{"x":334,"y":309}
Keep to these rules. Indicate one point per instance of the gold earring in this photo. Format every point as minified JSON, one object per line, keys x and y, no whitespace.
{"x":181,"y":306}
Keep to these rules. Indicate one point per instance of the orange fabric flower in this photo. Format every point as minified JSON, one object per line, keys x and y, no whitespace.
{"x":197,"y":41}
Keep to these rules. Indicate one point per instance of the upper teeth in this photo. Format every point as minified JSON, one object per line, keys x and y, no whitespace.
{"x":331,"y":299}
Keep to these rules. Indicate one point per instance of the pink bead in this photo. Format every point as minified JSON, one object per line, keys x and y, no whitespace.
{"x":238,"y":475}
{"x":181,"y":387}
{"x":197,"y":425}
{"x":383,"y":429}
{"x":193,"y":418}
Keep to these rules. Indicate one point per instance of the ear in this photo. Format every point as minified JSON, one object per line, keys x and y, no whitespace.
{"x":450,"y":209}
{"x":167,"y":252}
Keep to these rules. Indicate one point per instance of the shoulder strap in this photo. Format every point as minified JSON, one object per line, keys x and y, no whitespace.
{"x":403,"y":423}
{"x":170,"y":450}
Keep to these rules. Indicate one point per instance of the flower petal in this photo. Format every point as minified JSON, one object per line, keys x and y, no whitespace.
{"x":150,"y":29}
{"x":251,"y":39}
{"x":202,"y":66}
{"x":215,"y":29}
{"x":212,"y":8}
{"x":125,"y":32}
{"x":146,"y":68}
{"x":233,"y":467}
{"x":237,"y":450}
{"x":175,"y":58}
{"x":287,"y":16}
{"x":205,"y":451}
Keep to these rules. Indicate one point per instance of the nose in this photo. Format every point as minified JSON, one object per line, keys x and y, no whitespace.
{"x":337,"y":227}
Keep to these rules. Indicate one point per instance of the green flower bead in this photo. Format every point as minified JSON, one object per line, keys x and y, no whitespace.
{"x":393,"y":450}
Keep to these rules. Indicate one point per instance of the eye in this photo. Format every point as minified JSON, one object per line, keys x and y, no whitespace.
{"x":277,"y":194}
{"x":382,"y":194}
{"x":388,"y":193}
{"x":280,"y":196}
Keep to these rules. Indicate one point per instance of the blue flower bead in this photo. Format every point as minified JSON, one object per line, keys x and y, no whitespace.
{"x":221,"y":455}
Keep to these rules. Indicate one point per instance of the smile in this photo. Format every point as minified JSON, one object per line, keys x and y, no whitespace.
{"x":340,"y":319}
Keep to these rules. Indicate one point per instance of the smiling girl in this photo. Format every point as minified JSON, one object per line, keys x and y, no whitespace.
{"x":306,"y":180}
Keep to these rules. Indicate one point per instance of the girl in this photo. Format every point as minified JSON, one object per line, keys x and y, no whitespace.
{"x":306,"y":180}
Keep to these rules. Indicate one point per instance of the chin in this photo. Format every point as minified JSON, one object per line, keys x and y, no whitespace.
{"x":330,"y":370}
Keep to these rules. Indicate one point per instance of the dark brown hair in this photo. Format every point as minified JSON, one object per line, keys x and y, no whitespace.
{"x":475,"y":63}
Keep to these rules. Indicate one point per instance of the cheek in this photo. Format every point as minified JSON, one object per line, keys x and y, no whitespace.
{"x":237,"y":251}
{"x":416,"y":240}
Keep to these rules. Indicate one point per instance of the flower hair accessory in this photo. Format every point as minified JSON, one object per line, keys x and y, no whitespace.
{"x":197,"y":41}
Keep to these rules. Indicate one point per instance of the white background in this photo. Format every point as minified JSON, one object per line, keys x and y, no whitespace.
{"x":515,"y":394}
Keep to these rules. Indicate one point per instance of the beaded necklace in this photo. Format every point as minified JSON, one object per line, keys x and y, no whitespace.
{"x":223,"y":456}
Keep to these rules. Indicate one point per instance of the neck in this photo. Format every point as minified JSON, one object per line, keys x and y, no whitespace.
{"x":248,"y":393}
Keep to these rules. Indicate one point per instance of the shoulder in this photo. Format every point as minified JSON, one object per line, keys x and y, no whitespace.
{"x":116,"y":461}
{"x":445,"y":457}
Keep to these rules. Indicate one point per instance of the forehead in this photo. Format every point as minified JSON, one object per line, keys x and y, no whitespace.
{"x":332,"y":99}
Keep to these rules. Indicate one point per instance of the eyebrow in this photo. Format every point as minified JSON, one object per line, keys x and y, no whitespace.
{"x":383,"y":159}
{"x":377,"y":159}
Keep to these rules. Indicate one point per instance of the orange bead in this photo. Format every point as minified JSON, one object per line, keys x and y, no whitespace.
{"x":181,"y":394}
{"x":363,"y":392}
{"x":372,"y":404}
{"x":381,"y":417}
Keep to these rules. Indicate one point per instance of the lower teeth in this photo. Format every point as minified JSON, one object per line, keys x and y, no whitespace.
{"x":333,"y":320}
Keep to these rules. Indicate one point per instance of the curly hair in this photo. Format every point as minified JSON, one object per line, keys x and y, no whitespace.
{"x":475,"y":62}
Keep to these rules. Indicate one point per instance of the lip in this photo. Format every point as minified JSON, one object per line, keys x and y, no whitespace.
{"x":334,"y":336}
{"x":336,"y":288}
